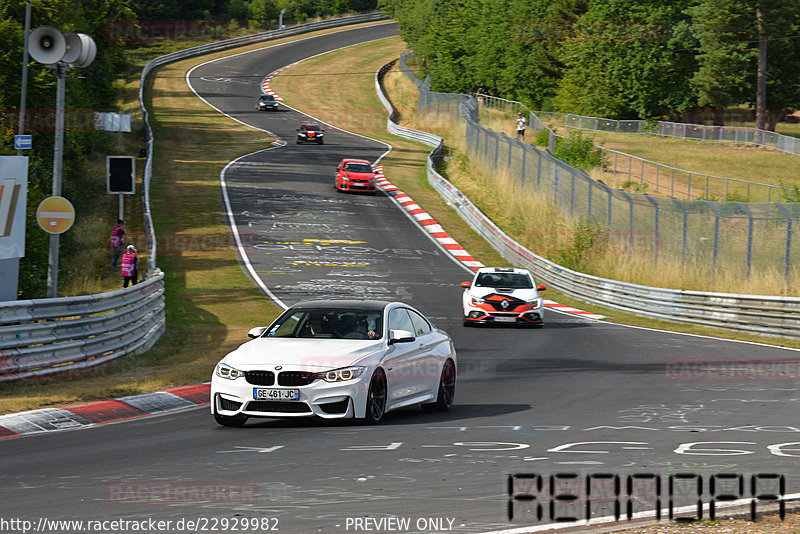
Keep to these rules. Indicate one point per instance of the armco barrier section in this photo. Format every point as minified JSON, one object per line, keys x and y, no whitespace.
{"x":206,"y":49}
{"x":759,"y":314}
{"x":47,"y":336}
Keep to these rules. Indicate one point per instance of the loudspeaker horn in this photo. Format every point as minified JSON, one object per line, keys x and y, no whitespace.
{"x":81,"y":50}
{"x":47,"y":45}
{"x":88,"y":51}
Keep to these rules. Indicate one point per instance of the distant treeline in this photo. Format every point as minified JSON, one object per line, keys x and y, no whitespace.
{"x":610,"y":58}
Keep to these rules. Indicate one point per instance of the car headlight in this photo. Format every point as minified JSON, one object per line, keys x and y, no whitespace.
{"x":341,"y":375}
{"x":226,"y":371}
{"x":476,"y":300}
{"x":536,"y":303}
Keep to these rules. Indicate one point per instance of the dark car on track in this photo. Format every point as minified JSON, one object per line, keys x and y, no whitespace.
{"x":267,"y":103}
{"x":310,"y":133}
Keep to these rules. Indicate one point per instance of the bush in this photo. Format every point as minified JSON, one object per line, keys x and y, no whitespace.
{"x":542,"y":137}
{"x":632,"y":186}
{"x":577,"y":150}
{"x":588,"y":237}
{"x":792,"y":195}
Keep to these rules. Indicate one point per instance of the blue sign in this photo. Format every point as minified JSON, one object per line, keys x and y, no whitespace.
{"x":23,"y":142}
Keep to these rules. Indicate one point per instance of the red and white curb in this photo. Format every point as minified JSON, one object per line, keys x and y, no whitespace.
{"x":430,"y":225}
{"x":569,"y":309}
{"x":266,"y":89}
{"x":102,"y":412}
{"x":427,"y":222}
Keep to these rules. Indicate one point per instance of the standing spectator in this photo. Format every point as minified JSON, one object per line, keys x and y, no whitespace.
{"x":481,"y":93}
{"x":130,"y":266}
{"x":520,"y":126}
{"x":117,"y":240}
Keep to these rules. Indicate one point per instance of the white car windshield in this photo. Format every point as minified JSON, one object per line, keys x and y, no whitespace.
{"x":335,"y":323}
{"x":505,"y":280}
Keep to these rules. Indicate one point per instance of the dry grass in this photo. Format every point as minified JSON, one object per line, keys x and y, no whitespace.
{"x":704,"y":161}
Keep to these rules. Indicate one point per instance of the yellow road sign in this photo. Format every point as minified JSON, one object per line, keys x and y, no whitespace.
{"x":55,"y":215}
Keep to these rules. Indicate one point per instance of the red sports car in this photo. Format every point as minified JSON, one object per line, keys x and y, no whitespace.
{"x":355,"y":175}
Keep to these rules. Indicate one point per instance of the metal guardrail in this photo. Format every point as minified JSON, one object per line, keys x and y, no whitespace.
{"x":47,"y":336}
{"x":760,"y":314}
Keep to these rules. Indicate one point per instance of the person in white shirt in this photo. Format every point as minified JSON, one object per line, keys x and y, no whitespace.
{"x":520,"y":127}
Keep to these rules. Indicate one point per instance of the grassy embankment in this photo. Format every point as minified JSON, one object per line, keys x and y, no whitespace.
{"x":740,"y":162}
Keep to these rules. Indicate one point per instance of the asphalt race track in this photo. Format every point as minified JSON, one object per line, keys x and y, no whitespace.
{"x":576,"y":397}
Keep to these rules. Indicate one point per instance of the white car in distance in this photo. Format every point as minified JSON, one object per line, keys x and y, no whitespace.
{"x":503,"y":295}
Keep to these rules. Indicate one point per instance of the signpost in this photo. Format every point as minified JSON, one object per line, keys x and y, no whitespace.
{"x":23,"y":142}
{"x":121,"y":178}
{"x":55,"y":215}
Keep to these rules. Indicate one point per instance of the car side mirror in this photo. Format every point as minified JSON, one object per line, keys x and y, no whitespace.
{"x":541,"y":287}
{"x":400,"y":336}
{"x":256,"y":332}
{"x":465,"y":285}
{"x":297,"y":129}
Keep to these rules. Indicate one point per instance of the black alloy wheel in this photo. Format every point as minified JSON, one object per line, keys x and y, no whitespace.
{"x":376,"y":398}
{"x":447,"y":389}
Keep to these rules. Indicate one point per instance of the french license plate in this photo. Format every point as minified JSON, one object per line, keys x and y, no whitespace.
{"x":505,"y":319}
{"x":276,"y":394}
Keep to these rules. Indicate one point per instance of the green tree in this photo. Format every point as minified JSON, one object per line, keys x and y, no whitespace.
{"x":625,"y":60}
{"x":728,"y":38}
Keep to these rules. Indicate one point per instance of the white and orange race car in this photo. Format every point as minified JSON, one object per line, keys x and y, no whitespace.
{"x":501,"y":295}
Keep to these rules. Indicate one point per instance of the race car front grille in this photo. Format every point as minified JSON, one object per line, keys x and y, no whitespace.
{"x":260,"y":378}
{"x":335,"y":407}
{"x":496,"y":301}
{"x":227,"y":404}
{"x":278,"y":407}
{"x":296,"y":378}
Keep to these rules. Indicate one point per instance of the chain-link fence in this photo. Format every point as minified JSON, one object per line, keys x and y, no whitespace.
{"x":739,"y":135}
{"x":733,"y":235}
{"x":642,"y":173}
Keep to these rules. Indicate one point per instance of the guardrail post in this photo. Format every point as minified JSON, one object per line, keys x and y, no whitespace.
{"x":657,"y":167}
{"x":524,"y":158}
{"x":672,"y":187}
{"x":630,"y":217}
{"x":684,"y":231}
{"x":716,"y":233}
{"x":749,"y":257}
{"x":641,"y":175}
{"x":787,"y":253}
{"x":496,"y":150}
{"x":538,"y":170}
{"x":655,"y":225}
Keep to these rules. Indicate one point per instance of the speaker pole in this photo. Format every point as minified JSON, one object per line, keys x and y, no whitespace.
{"x":58,"y":157}
{"x":24,"y":91}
